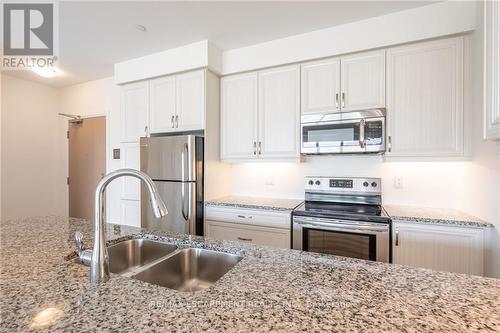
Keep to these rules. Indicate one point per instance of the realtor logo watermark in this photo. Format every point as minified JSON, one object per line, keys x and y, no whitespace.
{"x":29,"y":35}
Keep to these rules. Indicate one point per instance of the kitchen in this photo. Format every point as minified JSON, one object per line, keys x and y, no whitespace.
{"x":284,"y":154}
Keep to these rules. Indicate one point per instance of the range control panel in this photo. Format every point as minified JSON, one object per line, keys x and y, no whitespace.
{"x":343,"y":184}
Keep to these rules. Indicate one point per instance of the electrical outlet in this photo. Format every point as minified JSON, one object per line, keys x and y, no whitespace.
{"x":398,"y":182}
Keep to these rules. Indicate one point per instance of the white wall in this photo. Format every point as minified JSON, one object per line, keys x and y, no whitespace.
{"x":97,"y":98}
{"x":33,"y":178}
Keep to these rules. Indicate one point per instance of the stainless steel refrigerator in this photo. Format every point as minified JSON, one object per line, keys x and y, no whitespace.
{"x":175,"y":163}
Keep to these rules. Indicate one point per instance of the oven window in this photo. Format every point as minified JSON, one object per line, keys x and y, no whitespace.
{"x":373,"y":132}
{"x":331,"y":133}
{"x":338,"y":243}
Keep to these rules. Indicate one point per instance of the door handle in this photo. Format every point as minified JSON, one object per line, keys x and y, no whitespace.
{"x":397,"y":237}
{"x":389,"y":143}
{"x":146,"y":131}
{"x":245,"y":239}
{"x":336,"y":100}
{"x":177,"y":121}
{"x":343,"y":100}
{"x":172,"y":121}
{"x":362,"y":140}
{"x":186,"y":215}
{"x":255,"y":148}
{"x":260,"y":148}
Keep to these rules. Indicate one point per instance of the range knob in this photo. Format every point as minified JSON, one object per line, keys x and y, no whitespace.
{"x":318,"y":182}
{"x":365,"y":184}
{"x":374,"y":184}
{"x":310,"y":182}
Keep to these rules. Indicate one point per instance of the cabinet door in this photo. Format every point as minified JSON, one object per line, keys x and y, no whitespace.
{"x":320,"y":89}
{"x":363,"y":81}
{"x":130,"y":213}
{"x":131,"y":160}
{"x":492,"y":69}
{"x":162,"y":100}
{"x":134,"y":111}
{"x":239,"y":117}
{"x":279,"y":113}
{"x":190,"y":92}
{"x":425,"y":99}
{"x":248,"y":234}
{"x":444,"y":248}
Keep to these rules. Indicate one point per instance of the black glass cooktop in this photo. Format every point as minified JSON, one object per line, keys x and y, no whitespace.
{"x":342,"y":210}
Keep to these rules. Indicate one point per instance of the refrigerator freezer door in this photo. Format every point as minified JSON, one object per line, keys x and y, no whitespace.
{"x":180,"y":199}
{"x":169,"y":158}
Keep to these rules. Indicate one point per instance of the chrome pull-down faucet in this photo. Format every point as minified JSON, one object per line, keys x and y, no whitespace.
{"x":98,"y":257}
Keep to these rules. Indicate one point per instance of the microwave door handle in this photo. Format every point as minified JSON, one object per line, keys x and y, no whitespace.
{"x":362,"y":140}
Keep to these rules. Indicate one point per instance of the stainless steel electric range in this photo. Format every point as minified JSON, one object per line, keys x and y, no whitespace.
{"x":343,"y":216}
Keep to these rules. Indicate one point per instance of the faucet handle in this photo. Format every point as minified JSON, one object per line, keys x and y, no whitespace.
{"x":79,"y":242}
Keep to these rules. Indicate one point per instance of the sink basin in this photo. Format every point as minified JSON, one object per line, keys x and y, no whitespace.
{"x":189,"y":269}
{"x":133,"y":253}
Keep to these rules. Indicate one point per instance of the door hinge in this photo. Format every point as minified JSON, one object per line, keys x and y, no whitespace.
{"x":67,"y":180}
{"x":67,"y":134}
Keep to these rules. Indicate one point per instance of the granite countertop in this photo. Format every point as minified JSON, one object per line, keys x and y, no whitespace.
{"x":434,"y":216}
{"x":256,"y":203}
{"x":269,"y":290}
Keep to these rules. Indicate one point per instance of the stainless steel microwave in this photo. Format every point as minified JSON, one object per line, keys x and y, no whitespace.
{"x":344,"y":132}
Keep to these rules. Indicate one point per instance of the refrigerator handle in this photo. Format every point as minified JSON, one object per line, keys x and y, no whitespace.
{"x":186,"y":216}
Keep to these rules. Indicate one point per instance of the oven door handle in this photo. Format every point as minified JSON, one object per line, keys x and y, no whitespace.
{"x":341,"y":226}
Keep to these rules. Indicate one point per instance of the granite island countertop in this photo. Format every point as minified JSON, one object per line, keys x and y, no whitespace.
{"x":255,"y":203}
{"x":269,"y":290}
{"x":434,"y":216}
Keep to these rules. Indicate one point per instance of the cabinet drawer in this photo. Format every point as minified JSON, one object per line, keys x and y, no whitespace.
{"x":249,"y":234}
{"x":255,"y":217}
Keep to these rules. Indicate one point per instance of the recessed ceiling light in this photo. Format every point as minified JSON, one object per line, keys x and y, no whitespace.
{"x":47,"y":71}
{"x":140,"y":27}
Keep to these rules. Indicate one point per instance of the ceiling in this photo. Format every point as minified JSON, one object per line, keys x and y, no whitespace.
{"x":96,"y":35}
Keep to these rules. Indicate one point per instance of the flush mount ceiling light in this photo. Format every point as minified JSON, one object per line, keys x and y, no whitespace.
{"x":140,"y":27}
{"x":47,"y":71}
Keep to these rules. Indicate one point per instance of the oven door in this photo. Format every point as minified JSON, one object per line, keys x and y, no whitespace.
{"x":355,"y":239}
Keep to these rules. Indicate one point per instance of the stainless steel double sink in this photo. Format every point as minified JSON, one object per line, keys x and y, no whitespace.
{"x":187,"y":270}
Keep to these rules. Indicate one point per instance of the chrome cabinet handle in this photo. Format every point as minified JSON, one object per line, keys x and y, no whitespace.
{"x":260,"y":148}
{"x":336,"y":100}
{"x":397,"y":237}
{"x":244,"y":217}
{"x":146,"y":131}
{"x":172,"y":121}
{"x":343,"y":100}
{"x":255,"y":148}
{"x":177,"y":121}
{"x":245,"y":239}
{"x":389,"y":143}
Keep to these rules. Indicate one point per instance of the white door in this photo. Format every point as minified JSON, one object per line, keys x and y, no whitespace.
{"x":425,"y":99}
{"x":130,"y":213}
{"x":190,"y":91}
{"x":162,"y":100}
{"x":134,"y":111}
{"x":320,"y":87}
{"x":363,"y":81}
{"x":239,"y":117}
{"x":279,"y":113}
{"x":445,"y":248}
{"x":130,"y":158}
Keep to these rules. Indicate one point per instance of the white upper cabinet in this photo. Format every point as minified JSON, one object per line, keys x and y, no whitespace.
{"x":279,"y":113}
{"x":178,"y":102}
{"x":260,"y":117}
{"x":425,"y":99}
{"x":190,"y":96}
{"x":363,"y":81}
{"x":321,"y":86}
{"x":162,"y":99}
{"x":134,"y":111}
{"x":492,"y":70}
{"x":348,"y":83}
{"x":239,"y":117}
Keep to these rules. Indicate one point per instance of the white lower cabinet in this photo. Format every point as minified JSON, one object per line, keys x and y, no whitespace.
{"x":451,"y":248}
{"x":260,"y":227}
